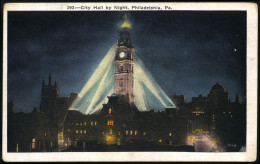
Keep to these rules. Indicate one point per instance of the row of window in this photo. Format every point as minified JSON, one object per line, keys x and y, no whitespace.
{"x":85,"y":123}
{"x":110,"y":123}
{"x":135,"y":132}
{"x":81,"y":131}
{"x":131,"y":132}
{"x":198,"y":112}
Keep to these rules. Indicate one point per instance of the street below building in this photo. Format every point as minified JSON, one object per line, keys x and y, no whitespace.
{"x":205,"y":143}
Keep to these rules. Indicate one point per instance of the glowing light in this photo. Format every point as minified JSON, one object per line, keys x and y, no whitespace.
{"x":110,"y":123}
{"x":60,"y":135}
{"x":126,"y":23}
{"x":33,"y":143}
{"x":110,"y":140}
{"x":98,"y":87}
{"x":148,"y":94}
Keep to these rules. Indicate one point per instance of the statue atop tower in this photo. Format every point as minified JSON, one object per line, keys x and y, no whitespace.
{"x":124,"y":72}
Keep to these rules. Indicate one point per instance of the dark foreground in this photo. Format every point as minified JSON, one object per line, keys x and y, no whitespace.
{"x":126,"y":148}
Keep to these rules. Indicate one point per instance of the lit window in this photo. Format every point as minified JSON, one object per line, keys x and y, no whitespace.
{"x":131,"y":132}
{"x":33,"y":143}
{"x":110,"y":131}
{"x":17,"y":147}
{"x":85,"y":123}
{"x":144,"y":133}
{"x":77,"y":131}
{"x":126,"y":133}
{"x":110,"y":111}
{"x":80,"y":131}
{"x":135,"y":132}
{"x":91,"y":123}
{"x":110,"y":123}
{"x":95,"y":122}
{"x":68,"y":130}
{"x":170,"y":134}
{"x":160,"y":140}
{"x":85,"y":131}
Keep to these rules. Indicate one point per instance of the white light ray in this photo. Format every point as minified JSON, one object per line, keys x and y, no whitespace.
{"x":141,"y":74}
{"x":95,"y":88}
{"x":101,"y":84}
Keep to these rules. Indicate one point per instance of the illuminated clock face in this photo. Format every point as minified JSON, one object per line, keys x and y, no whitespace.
{"x":122,"y":54}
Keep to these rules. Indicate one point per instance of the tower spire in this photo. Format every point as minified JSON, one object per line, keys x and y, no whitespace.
{"x":125,"y":37}
{"x":126,"y":23}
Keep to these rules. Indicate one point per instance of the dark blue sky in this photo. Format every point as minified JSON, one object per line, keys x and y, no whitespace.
{"x":187,"y":52}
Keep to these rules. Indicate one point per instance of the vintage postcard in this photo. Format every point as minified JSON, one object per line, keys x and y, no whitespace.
{"x":130,"y":82}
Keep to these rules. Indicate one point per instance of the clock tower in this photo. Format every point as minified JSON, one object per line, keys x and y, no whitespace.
{"x":124,"y":72}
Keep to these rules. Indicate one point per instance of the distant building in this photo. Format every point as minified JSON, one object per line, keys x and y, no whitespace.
{"x":178,"y":99}
{"x":218,"y":95}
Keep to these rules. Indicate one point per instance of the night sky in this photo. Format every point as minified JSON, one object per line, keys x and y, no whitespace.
{"x":187,"y":52}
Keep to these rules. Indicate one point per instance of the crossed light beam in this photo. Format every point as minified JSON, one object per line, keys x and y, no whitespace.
{"x":147,"y":92}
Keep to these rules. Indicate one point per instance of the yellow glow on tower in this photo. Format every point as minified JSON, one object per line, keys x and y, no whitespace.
{"x":126,"y":23}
